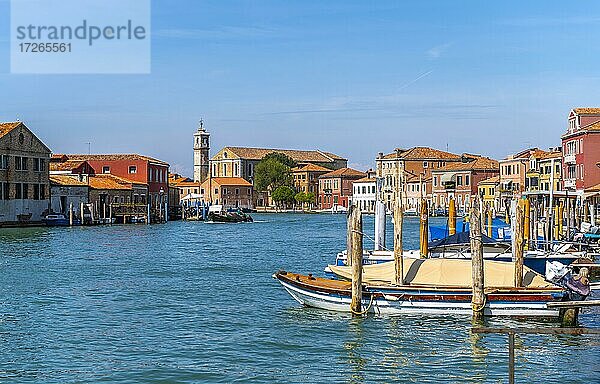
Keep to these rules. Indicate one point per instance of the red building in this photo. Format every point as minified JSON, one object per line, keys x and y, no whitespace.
{"x":460,"y":181}
{"x":581,"y":150}
{"x":336,"y":187}
{"x":137,"y":168}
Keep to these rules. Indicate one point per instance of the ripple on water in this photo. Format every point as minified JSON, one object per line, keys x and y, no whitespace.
{"x":190,"y":302}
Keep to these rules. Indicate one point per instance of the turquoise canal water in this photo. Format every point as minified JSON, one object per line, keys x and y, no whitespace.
{"x":195,"y":302}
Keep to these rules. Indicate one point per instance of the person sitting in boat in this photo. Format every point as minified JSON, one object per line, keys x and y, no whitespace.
{"x":579,"y":284}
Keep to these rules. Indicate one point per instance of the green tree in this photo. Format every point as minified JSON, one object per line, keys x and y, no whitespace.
{"x":273,"y":171}
{"x":283,"y":195}
{"x":300,"y":199}
{"x":310,"y":199}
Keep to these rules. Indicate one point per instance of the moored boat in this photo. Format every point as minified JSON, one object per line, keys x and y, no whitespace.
{"x":58,"y":220}
{"x":439,"y":286}
{"x":335,"y":295}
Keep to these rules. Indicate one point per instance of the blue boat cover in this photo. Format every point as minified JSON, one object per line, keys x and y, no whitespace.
{"x":459,"y":238}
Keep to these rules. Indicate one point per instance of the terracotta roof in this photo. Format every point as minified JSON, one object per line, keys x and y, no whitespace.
{"x":479,"y":164}
{"x":297,"y":155}
{"x":587,"y":111}
{"x":551,"y":155}
{"x":116,"y":156}
{"x":344,"y":172}
{"x":595,"y":188}
{"x":112,"y":182}
{"x":65,"y":165}
{"x":592,"y":127}
{"x":65,"y":180}
{"x":7,"y":127}
{"x":311,"y":168}
{"x":366,"y":180}
{"x":231,"y":181}
{"x":490,"y":180}
{"x":175,"y":180}
{"x":423,"y":153}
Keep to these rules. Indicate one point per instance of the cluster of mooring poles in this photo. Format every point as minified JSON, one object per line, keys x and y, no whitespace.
{"x":521,"y":223}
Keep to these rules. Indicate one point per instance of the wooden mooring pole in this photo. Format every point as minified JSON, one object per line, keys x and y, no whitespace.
{"x":357,"y":255}
{"x":348,"y":234}
{"x":519,"y":240}
{"x":478,"y":299}
{"x":424,"y":230}
{"x":451,"y":217}
{"x":398,"y":257}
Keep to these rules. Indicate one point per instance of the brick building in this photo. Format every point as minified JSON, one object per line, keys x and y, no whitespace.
{"x":24,"y":182}
{"x":581,"y":150}
{"x":411,"y":165}
{"x":335,"y":188}
{"x":136,"y":169}
{"x":460,"y":180}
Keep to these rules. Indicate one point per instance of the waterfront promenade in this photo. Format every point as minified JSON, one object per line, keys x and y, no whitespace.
{"x":195,"y":302}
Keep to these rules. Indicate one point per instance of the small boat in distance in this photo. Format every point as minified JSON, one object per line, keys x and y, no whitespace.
{"x":217,"y":214}
{"x":58,"y":220}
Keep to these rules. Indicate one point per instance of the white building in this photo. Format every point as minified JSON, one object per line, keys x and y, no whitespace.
{"x":364,"y":193}
{"x":66,"y":192}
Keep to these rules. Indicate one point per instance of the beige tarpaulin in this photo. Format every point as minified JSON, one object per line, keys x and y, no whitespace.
{"x":445,"y":272}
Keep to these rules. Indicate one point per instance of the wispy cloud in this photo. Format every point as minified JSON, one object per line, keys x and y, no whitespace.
{"x":222,"y":33}
{"x":550,"y":21}
{"x":436,"y":52}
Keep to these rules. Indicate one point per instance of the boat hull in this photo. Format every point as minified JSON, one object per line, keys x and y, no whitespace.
{"x":418,"y":300}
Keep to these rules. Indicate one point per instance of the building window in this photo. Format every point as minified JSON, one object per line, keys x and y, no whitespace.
{"x":132,"y":169}
{"x":18,"y":191}
{"x":3,"y":161}
{"x":459,"y":180}
{"x":36,"y":191}
{"x":237,"y":169}
{"x":106,"y":169}
{"x":467,"y":180}
{"x":237,"y":191}
{"x":216,"y":191}
{"x":3,"y":191}
{"x":435,"y":181}
{"x":425,"y":164}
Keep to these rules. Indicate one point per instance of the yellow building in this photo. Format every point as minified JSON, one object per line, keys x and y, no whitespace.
{"x":489,"y":191}
{"x":306,"y":178}
{"x":539,"y":175}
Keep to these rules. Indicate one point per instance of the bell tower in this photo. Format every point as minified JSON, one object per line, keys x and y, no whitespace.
{"x":201,"y":153}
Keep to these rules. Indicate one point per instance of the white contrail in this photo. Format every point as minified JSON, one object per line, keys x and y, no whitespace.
{"x":422,"y":75}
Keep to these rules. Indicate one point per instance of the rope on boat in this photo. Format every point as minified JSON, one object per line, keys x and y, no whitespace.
{"x":370,"y":238}
{"x":479,"y":308}
{"x":366,"y":310}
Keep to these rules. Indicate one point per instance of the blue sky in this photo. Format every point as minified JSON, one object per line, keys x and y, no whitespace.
{"x":349,"y":77}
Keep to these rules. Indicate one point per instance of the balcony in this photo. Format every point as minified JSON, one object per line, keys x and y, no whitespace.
{"x":570,"y":159}
{"x":569,"y":183}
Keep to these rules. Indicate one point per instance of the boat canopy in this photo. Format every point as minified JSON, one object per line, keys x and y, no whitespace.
{"x":445,"y":273}
{"x":459,"y":238}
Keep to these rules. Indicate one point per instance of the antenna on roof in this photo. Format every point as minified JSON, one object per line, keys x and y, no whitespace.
{"x":89,"y":148}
